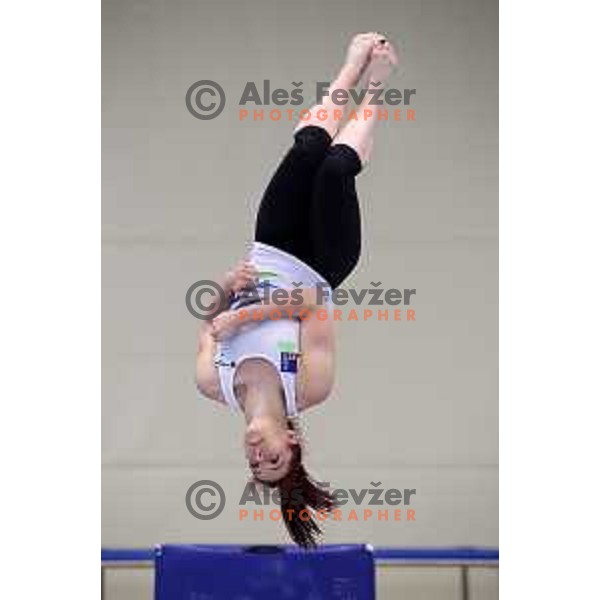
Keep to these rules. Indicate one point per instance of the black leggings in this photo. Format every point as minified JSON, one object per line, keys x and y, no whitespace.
{"x":310,"y":207}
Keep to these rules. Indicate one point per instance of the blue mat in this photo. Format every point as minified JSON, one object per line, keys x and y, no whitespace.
{"x":227,"y":572}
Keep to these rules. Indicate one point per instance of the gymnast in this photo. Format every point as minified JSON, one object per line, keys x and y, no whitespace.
{"x":307,"y":231}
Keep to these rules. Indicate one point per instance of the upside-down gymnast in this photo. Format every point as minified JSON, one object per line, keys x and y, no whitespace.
{"x":308,"y":230}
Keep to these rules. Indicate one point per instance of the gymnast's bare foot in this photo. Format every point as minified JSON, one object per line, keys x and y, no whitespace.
{"x":359,"y":53}
{"x":382,"y":61}
{"x":358,"y":133}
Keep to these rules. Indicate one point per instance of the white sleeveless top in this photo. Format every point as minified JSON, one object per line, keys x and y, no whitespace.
{"x":276,"y":341}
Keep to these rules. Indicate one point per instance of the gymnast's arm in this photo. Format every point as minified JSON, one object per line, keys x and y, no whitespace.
{"x":207,"y":381}
{"x":302,"y":304}
{"x":242,"y":275}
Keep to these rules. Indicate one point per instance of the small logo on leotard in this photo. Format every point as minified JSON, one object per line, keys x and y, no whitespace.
{"x":253,"y":294}
{"x":286,"y":346}
{"x":289,"y":362}
{"x":221,"y":362}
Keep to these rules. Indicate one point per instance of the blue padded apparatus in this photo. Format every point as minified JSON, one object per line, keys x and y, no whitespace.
{"x":227,"y":572}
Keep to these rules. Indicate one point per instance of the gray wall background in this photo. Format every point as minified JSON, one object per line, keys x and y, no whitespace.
{"x":415,"y":404}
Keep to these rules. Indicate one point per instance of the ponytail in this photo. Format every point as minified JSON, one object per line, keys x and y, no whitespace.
{"x":299,"y":494}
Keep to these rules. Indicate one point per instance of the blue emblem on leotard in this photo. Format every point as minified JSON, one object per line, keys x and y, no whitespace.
{"x":289,"y":362}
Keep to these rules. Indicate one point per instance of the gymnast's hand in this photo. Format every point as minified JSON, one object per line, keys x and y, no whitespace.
{"x":243,"y":275}
{"x":225,"y":324}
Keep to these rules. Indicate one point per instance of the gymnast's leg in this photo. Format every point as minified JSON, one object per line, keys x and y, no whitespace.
{"x":283,"y":218}
{"x":335,"y":214}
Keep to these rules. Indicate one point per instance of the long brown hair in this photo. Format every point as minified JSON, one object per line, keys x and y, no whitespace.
{"x":299,"y":492}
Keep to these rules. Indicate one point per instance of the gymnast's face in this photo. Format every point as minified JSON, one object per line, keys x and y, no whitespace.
{"x":269,"y":450}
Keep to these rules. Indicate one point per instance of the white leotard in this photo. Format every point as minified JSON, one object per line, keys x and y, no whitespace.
{"x":277,"y":341}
